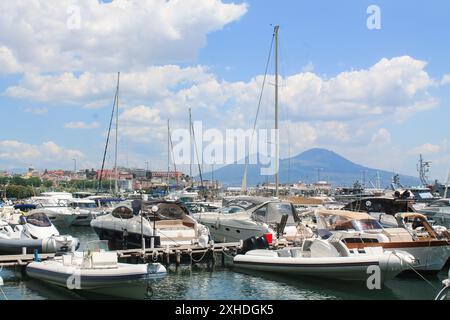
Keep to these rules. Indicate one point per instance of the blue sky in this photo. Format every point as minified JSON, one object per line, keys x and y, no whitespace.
{"x":207,"y":54}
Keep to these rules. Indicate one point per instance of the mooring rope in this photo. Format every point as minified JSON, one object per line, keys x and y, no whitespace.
{"x":413,"y":269}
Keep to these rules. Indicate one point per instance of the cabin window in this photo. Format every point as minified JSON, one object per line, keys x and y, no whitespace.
{"x":39,"y":220}
{"x":122,"y":213}
{"x":261,"y":212}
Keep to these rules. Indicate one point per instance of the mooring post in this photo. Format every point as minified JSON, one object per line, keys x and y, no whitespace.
{"x":167,"y":252}
{"x":178,"y":254}
{"x":223,"y":257}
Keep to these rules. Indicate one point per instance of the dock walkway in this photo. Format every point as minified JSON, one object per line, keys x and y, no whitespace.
{"x":169,"y":254}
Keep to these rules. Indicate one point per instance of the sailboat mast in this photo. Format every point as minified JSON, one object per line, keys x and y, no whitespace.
{"x":190,"y":145}
{"x":277,"y":138}
{"x":116,"y":185}
{"x":168,"y":152}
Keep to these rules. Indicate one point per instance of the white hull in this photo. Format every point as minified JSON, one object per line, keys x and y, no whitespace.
{"x":61,"y":220}
{"x":233,"y":230}
{"x":125,"y":281}
{"x":338,"y":268}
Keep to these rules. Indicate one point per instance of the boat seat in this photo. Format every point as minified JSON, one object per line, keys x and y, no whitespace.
{"x":297,"y":253}
{"x":104,"y":260}
{"x":341,"y":248}
{"x":284,"y":253}
{"x":397,"y":235}
{"x":323,"y":248}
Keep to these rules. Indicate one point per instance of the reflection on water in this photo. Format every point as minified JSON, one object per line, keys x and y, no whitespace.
{"x":199,"y":283}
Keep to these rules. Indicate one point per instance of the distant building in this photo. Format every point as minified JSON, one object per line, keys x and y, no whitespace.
{"x":111,"y":175}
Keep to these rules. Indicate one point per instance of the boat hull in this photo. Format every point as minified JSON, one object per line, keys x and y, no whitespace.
{"x":431,"y":256}
{"x":129,"y":281}
{"x":341,"y":268}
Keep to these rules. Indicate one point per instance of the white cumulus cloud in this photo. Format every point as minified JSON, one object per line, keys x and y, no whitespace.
{"x":68,"y":35}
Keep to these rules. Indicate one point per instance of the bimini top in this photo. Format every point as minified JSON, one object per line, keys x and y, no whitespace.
{"x":246,"y":202}
{"x":341,"y":220}
{"x":405,"y":215}
{"x":349,"y":215}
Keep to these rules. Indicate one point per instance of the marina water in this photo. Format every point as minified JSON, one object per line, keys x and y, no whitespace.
{"x":220,"y":283}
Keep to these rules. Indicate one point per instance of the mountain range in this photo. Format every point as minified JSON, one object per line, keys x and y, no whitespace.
{"x":311,"y":166}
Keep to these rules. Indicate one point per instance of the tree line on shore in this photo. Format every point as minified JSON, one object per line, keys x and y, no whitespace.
{"x":20,"y":188}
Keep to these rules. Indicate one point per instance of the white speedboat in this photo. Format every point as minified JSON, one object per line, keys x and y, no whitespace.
{"x":96,"y":270}
{"x":85,"y":210}
{"x":33,"y":231}
{"x":185,"y":195}
{"x":329,"y":259}
{"x":246,"y":217}
{"x":58,"y":211}
{"x":359,"y":230}
{"x":163,"y":222}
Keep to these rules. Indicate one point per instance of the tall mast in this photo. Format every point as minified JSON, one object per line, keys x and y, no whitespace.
{"x":168,"y":152}
{"x":190,"y":145}
{"x":116,"y":185}
{"x":277,"y":146}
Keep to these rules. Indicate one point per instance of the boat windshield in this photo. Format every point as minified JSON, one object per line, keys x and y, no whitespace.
{"x":97,"y":246}
{"x":229,"y":210}
{"x":38,"y":220}
{"x":84,"y":205}
{"x":336,"y":223}
{"x":425,"y":195}
{"x":440,"y":203}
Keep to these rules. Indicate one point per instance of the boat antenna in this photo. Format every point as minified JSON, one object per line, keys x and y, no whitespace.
{"x":423,"y":167}
{"x":244,"y":178}
{"x":107,"y":138}
{"x":446,"y":186}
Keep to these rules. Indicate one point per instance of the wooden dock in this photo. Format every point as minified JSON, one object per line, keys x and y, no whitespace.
{"x":183,"y":253}
{"x":191,"y":254}
{"x":21,"y":260}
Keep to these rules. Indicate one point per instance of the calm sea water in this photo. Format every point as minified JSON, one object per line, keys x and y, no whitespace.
{"x":200,"y":283}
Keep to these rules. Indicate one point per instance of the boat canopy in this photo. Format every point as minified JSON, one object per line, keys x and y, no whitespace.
{"x":246,"y":202}
{"x":272,"y":212}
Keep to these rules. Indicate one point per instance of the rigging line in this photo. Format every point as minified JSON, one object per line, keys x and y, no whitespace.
{"x":260,"y":97}
{"x":198,"y":159}
{"x":173,"y":155}
{"x":107,"y":139}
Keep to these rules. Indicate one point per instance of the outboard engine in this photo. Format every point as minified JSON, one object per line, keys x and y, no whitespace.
{"x":254,"y":243}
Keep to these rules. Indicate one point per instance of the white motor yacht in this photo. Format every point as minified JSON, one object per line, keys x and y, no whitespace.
{"x":85,"y":210}
{"x":33,"y":231}
{"x":59,"y":213}
{"x":359,"y":230}
{"x":163,"y":222}
{"x":438,"y":211}
{"x":246,"y":217}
